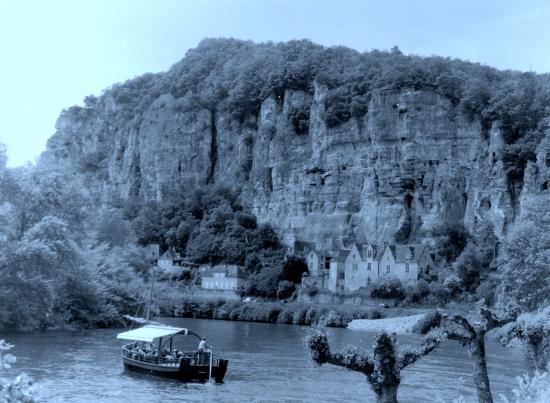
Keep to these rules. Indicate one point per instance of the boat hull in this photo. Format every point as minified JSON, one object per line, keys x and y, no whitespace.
{"x":185,"y":372}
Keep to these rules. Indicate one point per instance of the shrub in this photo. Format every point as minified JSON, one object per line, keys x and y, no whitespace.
{"x":389,"y":287}
{"x":285,"y":289}
{"x":439,"y":293}
{"x":453,"y":284}
{"x":285,"y":317}
{"x":416,"y":293}
{"x":299,"y":118}
{"x":312,"y":291}
{"x":299,"y":316}
{"x":376,"y":314}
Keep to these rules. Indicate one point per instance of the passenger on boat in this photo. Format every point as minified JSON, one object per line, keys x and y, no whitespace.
{"x":202,"y":345}
{"x":204,"y":349}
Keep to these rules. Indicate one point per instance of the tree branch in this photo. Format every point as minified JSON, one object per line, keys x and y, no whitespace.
{"x":355,"y":360}
{"x":430,"y":343}
{"x":494,"y":321}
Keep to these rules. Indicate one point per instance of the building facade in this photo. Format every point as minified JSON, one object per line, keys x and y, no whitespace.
{"x":357,"y":265}
{"x":223,"y":277}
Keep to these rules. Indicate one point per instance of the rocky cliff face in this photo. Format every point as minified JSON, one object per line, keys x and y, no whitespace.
{"x":410,"y":163}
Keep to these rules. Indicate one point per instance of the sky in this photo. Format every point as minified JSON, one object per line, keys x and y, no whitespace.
{"x":56,"y":52}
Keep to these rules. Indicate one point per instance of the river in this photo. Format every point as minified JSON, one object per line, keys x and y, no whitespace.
{"x":267,"y":363}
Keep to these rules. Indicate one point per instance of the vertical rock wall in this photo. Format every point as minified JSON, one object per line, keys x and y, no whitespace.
{"x":412,"y":162}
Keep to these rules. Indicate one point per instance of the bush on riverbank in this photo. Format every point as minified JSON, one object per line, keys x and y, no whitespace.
{"x":274,"y":312}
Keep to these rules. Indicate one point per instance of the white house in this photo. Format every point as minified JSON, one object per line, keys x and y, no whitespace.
{"x":405,"y":262}
{"x":170,"y":261}
{"x":362,"y":266}
{"x":224,"y":277}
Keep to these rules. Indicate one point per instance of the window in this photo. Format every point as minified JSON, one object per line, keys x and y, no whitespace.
{"x":341,"y":276}
{"x":369,"y":253}
{"x":388,"y":269}
{"x":354,"y":267}
{"x":406,"y":267}
{"x":369,"y":266}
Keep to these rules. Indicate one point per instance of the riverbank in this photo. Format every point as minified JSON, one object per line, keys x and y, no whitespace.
{"x":400,"y":324}
{"x":296,"y":313}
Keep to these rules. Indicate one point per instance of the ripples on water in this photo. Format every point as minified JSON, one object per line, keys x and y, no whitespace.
{"x":267,"y":363}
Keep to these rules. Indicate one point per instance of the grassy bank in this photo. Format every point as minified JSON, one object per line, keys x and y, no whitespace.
{"x":274,"y":312}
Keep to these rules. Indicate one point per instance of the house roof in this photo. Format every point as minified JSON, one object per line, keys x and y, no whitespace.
{"x":407,"y":253}
{"x":303,"y":246}
{"x":170,"y":254}
{"x":342,"y":255}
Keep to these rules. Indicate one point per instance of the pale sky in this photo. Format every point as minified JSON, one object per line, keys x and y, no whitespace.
{"x":55,"y":52}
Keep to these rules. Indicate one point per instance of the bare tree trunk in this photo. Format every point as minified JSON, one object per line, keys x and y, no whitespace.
{"x":537,"y":351}
{"x":472,"y":334}
{"x":481,"y":377}
{"x":388,"y":394}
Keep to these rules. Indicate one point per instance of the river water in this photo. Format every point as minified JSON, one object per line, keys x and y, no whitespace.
{"x":267,"y":363}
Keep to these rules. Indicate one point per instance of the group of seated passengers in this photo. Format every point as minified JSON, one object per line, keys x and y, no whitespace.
{"x":146,"y":351}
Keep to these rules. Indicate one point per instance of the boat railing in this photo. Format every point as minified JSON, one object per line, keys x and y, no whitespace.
{"x":167,"y":359}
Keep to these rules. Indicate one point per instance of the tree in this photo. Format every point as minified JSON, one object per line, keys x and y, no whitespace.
{"x":293,"y":268}
{"x":524,"y":264}
{"x":468,"y":267}
{"x":113,"y":229}
{"x":471,"y":333}
{"x":451,"y":239}
{"x":382,"y":368}
{"x":534,"y":330}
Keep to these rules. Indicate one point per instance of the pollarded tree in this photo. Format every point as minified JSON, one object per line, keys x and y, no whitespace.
{"x":471,"y":333}
{"x":382,"y":368}
{"x":534,"y":330}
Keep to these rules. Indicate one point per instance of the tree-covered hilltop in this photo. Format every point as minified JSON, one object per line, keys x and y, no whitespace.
{"x":237,"y":76}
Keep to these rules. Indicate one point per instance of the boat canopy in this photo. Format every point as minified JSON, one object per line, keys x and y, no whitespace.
{"x":151,"y":332}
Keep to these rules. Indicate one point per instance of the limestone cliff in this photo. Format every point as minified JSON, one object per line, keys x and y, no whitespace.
{"x":411,"y":162}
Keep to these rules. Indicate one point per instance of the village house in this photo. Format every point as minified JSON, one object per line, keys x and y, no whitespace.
{"x":348,"y":269}
{"x":318,"y":262}
{"x":172,"y":262}
{"x":336,"y":279}
{"x":223,"y":277}
{"x":362,"y":265}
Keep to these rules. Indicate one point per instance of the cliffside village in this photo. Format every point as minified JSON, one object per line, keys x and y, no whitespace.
{"x":333,"y":264}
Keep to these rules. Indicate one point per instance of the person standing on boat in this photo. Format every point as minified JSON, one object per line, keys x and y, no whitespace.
{"x":202,"y":345}
{"x":204,"y":349}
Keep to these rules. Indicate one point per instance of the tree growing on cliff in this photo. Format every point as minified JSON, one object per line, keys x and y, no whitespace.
{"x":451,"y":239}
{"x":382,"y":367}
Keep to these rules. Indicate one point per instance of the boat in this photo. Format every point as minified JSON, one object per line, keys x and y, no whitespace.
{"x":152,"y":352}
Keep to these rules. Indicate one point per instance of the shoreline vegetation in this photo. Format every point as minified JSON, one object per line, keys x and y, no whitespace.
{"x":277,"y":312}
